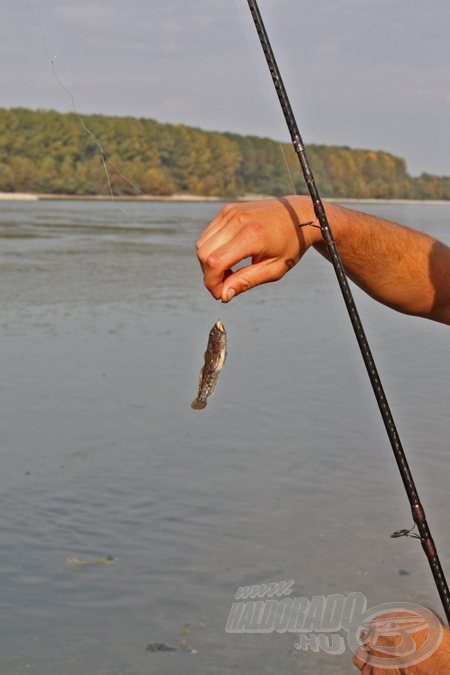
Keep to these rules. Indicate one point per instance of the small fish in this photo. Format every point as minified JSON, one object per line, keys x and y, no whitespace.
{"x":215,"y":355}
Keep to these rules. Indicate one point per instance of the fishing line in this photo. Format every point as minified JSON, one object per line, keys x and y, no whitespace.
{"x":263,"y":82}
{"x":267,"y":92}
{"x":104,"y":157}
{"x":291,"y":178}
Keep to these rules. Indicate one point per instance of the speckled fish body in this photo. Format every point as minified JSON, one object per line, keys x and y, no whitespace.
{"x":215,"y":355}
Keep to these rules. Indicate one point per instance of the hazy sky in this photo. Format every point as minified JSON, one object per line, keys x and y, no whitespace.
{"x":364,"y":73}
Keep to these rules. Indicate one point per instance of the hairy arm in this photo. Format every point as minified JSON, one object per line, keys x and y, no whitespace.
{"x":402,"y":268}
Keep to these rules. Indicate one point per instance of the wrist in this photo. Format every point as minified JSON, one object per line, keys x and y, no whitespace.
{"x":308,"y":228}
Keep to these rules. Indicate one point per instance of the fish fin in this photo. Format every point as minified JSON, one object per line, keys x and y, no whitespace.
{"x":213,"y":387}
{"x":197,"y":404}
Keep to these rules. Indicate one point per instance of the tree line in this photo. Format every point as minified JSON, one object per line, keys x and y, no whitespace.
{"x":62,"y":153}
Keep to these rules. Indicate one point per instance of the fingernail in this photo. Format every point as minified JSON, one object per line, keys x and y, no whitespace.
{"x":230,"y":294}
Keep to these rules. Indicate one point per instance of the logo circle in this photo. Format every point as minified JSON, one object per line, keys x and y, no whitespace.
{"x":394,"y":620}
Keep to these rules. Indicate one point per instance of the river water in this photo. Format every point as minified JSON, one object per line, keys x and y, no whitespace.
{"x":287,"y":475}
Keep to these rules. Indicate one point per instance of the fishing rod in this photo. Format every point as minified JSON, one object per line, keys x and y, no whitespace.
{"x":417,"y":510}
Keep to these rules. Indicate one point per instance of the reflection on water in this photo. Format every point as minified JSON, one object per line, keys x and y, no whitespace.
{"x":286,"y":475}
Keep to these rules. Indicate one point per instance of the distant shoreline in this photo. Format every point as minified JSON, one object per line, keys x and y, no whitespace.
{"x":25,"y":196}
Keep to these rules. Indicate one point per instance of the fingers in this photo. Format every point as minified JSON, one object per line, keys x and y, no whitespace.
{"x":218,"y":255}
{"x":360,"y":662}
{"x":263,"y":231}
{"x":220,"y":221}
{"x":250,"y":276}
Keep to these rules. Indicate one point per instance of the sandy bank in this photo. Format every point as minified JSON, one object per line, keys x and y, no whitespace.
{"x":23,"y":196}
{"x":17,"y":196}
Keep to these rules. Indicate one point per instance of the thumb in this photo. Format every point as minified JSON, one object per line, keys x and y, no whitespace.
{"x":250,"y":276}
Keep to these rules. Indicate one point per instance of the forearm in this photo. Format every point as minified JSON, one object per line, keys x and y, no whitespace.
{"x":400,"y":267}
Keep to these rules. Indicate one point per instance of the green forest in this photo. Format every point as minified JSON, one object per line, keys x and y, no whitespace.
{"x":47,"y":152}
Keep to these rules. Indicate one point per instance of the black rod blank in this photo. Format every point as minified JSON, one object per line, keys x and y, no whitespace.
{"x":418,"y":512}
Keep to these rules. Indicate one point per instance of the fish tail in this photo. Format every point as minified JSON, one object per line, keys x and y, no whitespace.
{"x":197,"y":404}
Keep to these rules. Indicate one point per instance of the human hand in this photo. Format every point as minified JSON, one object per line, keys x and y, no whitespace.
{"x":273,"y":233}
{"x":394,"y":634}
